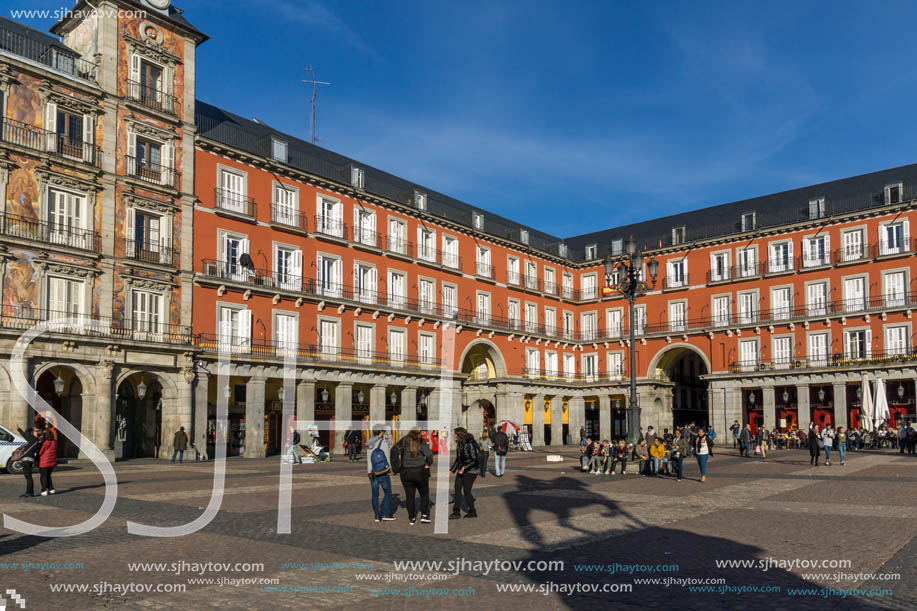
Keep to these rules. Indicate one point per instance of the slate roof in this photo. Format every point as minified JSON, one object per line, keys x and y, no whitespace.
{"x":42,"y":42}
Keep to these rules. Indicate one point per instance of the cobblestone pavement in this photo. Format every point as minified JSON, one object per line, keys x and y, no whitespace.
{"x":749,"y":509}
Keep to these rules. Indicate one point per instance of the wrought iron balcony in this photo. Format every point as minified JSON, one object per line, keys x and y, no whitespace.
{"x":52,"y":143}
{"x":153,"y":173}
{"x":153,"y":98}
{"x":224,"y":199}
{"x":150,"y":252}
{"x":22,"y":317}
{"x":283,"y":214}
{"x":51,"y":56}
{"x":838,"y":360}
{"x":330,"y":226}
{"x":51,"y":233}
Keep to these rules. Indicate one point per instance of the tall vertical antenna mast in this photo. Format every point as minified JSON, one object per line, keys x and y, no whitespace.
{"x":315,"y":85}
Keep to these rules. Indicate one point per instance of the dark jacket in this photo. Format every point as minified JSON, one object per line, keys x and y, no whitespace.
{"x":31,"y":444}
{"x":296,"y":438}
{"x":466,"y":455}
{"x":696,"y":444}
{"x":680,"y":444}
{"x":424,"y":455}
{"x":746,"y":437}
{"x":501,"y":443}
{"x":180,"y":442}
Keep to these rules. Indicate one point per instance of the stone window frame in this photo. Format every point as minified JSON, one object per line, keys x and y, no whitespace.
{"x":164,"y":289}
{"x":908,"y":335}
{"x":864,"y":327}
{"x":357,"y":324}
{"x":275,"y":312}
{"x":792,"y":337}
{"x":71,"y":271}
{"x":48,"y":179}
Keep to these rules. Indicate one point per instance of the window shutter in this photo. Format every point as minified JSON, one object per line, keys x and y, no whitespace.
{"x":245,"y":329}
{"x":906,"y":235}
{"x":790,"y":254}
{"x":244,"y":246}
{"x":165,"y":240}
{"x":883,"y":240}
{"x":357,"y":279}
{"x":869,"y":343}
{"x":131,"y":154}
{"x":168,"y":165}
{"x":420,"y":248}
{"x":88,"y":138}
{"x":297,"y":270}
{"x":827,"y":248}
{"x":129,"y":232}
{"x":319,"y":273}
{"x":167,"y":84}
{"x":51,"y":125}
{"x":373,"y":281}
{"x":135,"y":76}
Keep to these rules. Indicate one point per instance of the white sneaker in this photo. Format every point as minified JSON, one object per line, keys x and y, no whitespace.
{"x":612,"y":473}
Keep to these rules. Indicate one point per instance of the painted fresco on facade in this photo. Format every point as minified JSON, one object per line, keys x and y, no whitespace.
{"x":20,"y":287}
{"x":23,"y":103}
{"x":22,"y":194}
{"x":82,"y":38}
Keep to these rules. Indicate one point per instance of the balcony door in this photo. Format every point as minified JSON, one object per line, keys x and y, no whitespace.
{"x":67,"y":219}
{"x":146,"y":313}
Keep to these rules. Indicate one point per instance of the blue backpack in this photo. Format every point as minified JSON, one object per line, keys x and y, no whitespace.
{"x":379,"y":460}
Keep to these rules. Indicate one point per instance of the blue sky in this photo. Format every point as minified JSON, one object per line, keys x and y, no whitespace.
{"x":576,"y":116}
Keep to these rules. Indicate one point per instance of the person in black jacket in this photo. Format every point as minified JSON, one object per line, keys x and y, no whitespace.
{"x":416,"y":459}
{"x":352,"y":438}
{"x":32,"y":442}
{"x":466,"y":461}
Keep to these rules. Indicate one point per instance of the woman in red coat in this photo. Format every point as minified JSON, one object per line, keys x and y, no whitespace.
{"x":47,"y":460}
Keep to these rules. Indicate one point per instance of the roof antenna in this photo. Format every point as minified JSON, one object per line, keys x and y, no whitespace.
{"x":315,"y":85}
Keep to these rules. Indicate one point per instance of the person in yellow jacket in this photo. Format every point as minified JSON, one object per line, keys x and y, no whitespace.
{"x":658,"y":454}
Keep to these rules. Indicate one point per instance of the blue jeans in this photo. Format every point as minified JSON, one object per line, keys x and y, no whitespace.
{"x":499,"y":464}
{"x":180,"y":454}
{"x":386,"y":482}
{"x":665,"y":463}
{"x":827,"y":451}
{"x":292,"y":455}
{"x":702,"y":463}
{"x":842,"y":450}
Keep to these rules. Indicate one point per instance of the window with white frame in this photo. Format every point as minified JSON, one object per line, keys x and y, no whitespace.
{"x":66,"y":297}
{"x":781,"y":257}
{"x":748,"y":221}
{"x":230,"y":266}
{"x":617,"y":246}
{"x":450,"y":299}
{"x":677,"y":274}
{"x":615,"y":365}
{"x":148,"y":235}
{"x":719,"y":266}
{"x":286,"y":206}
{"x":482,"y":314}
{"x":397,"y":236}
{"x":721,"y":311}
{"x":152,"y":160}
{"x":532,"y":362}
{"x":894,"y":289}
{"x":893,"y":193}
{"x":70,"y":133}
{"x":420,"y":200}
{"x":68,"y":219}
{"x":640,"y":320}
{"x":781,"y":303}
{"x":549,"y":285}
{"x":513,"y":276}
{"x":147,"y":312}
{"x":524,"y":236}
{"x":364,"y":228}
{"x":817,"y":299}
{"x":397,"y":345}
{"x":356,"y":177}
{"x":329,"y":272}
{"x":588,"y":321}
{"x":568,"y":325}
{"x":426,"y":293}
{"x":550,"y":364}
{"x":817,"y":208}
{"x":482,"y":260}
{"x":818,"y":349}
{"x":151,"y":83}
{"x":397,"y":289}
{"x":568,"y":285}
{"x":330,"y":217}
{"x":854,"y":294}
{"x":366,"y":342}
{"x":853,"y":247}
{"x":748,"y":354}
{"x":235,"y":328}
{"x":858,"y":344}
{"x":678,"y":235}
{"x":613,"y":323}
{"x":817,"y":251}
{"x":569,"y":365}
{"x":531,"y":275}
{"x":746,"y":261}
{"x":587,"y":287}
{"x":450,"y":251}
{"x":286,"y":333}
{"x":748,"y":307}
{"x":426,"y":349}
{"x":590,"y":367}
{"x":426,"y":244}
{"x":477,"y":221}
{"x":287,"y":268}
{"x":896,"y":340}
{"x":329,"y":337}
{"x":783,"y":352}
{"x":531,"y":318}
{"x":894,"y":238}
{"x":279,"y":149}
{"x":550,"y":321}
{"x":592,"y":252}
{"x":513,"y":314}
{"x":677,"y":316}
{"x":365,"y":281}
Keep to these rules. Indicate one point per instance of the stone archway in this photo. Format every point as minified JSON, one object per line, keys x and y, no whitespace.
{"x":138,"y":416}
{"x":482,"y":360}
{"x":63,"y":389}
{"x":683,"y":366}
{"x":479,"y":416}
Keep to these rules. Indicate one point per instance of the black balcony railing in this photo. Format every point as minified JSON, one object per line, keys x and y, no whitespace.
{"x":780,"y":265}
{"x":399,"y":246}
{"x":51,"y":56}
{"x":153,"y":97}
{"x":532,"y":283}
{"x":484,"y":270}
{"x":367,"y":237}
{"x":675,"y":281}
{"x":847,"y":254}
{"x":51,"y":233}
{"x":150,"y":252}
{"x":818,"y":259}
{"x":230,"y":201}
{"x":513,"y":278}
{"x":877,"y":357}
{"x":234,"y":272}
{"x":21,"y":317}
{"x":885,"y":248}
{"x":153,"y":173}
{"x":330,"y":226}
{"x":283,"y":214}
{"x":550,"y":287}
{"x":42,"y":140}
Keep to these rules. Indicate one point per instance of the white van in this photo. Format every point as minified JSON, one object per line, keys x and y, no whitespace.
{"x":9,"y":441}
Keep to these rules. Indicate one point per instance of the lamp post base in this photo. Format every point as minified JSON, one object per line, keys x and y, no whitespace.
{"x":633,"y":425}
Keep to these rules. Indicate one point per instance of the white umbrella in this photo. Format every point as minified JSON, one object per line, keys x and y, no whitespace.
{"x":507,"y":426}
{"x":866,"y":406}
{"x":882,"y":413}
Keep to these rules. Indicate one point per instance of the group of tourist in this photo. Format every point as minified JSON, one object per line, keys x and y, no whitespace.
{"x":41,"y":447}
{"x":653,"y":455}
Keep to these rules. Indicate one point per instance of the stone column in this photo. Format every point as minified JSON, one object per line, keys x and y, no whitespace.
{"x":502,"y":402}
{"x":803,"y":411}
{"x":254,"y":418}
{"x":770,"y":408}
{"x":538,"y":420}
{"x":201,"y":411}
{"x":343,"y":413}
{"x":517,"y":408}
{"x":840,"y":404}
{"x":604,"y":417}
{"x":18,"y":411}
{"x":576,"y":418}
{"x":101,"y":418}
{"x":434,"y":401}
{"x":305,"y":403}
{"x":408,"y":405}
{"x":557,"y":421}
{"x":376,"y":403}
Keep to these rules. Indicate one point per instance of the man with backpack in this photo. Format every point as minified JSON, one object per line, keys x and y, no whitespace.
{"x":501,"y":448}
{"x":379,"y":471}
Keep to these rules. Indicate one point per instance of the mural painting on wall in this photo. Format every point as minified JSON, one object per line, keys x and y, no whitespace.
{"x":83,"y":38}
{"x":20,"y":287}
{"x":23,"y":197}
{"x":118,"y":299}
{"x":22,"y":103}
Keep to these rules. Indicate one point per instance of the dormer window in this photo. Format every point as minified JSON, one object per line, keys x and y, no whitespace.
{"x":356,"y":177}
{"x":562,"y":250}
{"x":893,"y":194}
{"x":617,"y":246}
{"x":478,"y":220}
{"x":817,"y":208}
{"x":592,"y":252}
{"x":420,"y":200}
{"x":678,"y":235}
{"x":278,"y":149}
{"x":748,"y":221}
{"x":524,"y":236}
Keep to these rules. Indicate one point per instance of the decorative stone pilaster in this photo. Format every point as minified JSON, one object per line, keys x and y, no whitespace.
{"x":254,"y":418}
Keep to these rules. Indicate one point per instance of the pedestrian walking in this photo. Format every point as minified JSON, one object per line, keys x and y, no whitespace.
{"x":841,"y":439}
{"x":735,"y":428}
{"x":679,"y":451}
{"x":815,"y":444}
{"x":501,"y":448}
{"x":292,"y":455}
{"x":179,"y":444}
{"x":47,"y":460}
{"x":484,"y":447}
{"x":466,"y":461}
{"x":416,"y":459}
{"x":352,"y":439}
{"x":703,"y":450}
{"x":827,"y":436}
{"x":746,"y":438}
{"x":33,"y":440}
{"x":763,"y":439}
{"x":582,"y":435}
{"x":379,"y":471}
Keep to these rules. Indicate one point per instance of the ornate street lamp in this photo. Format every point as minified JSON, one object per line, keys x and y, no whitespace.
{"x":751,"y":398}
{"x":821,"y":396}
{"x":325,"y":395}
{"x":900,"y":390}
{"x":393,"y":398}
{"x":141,"y":389}
{"x":786,"y":397}
{"x":631,"y":285}
{"x":227,"y":391}
{"x":59,"y":384}
{"x":360,"y":396}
